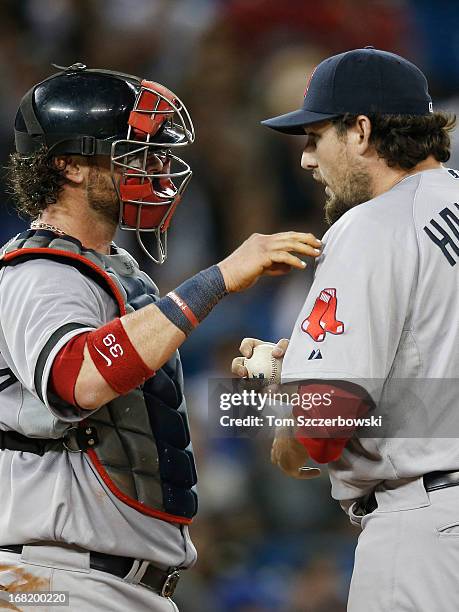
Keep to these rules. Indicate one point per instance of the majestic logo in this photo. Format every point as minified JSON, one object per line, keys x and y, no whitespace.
{"x":322,"y":318}
{"x":315,"y":354}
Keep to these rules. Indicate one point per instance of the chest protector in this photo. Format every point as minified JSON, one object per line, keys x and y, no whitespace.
{"x":143,"y":451}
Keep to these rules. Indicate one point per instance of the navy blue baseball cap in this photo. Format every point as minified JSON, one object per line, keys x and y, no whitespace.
{"x":359,"y":82}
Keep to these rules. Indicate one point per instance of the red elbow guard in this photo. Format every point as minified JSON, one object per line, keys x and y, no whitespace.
{"x":116,"y":359}
{"x":66,"y":367}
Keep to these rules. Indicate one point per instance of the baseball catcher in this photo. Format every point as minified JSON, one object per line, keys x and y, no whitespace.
{"x":97,"y":470}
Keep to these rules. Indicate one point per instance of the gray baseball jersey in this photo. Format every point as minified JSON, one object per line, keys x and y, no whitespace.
{"x":60,"y":497}
{"x":382,"y":312}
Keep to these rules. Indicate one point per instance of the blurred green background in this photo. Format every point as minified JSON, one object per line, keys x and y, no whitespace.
{"x":265,"y":543}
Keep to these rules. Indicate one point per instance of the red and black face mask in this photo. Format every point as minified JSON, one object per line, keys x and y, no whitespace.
{"x":148,"y":177}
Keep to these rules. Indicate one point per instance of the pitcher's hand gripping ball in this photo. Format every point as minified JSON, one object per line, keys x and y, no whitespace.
{"x":263,"y":366}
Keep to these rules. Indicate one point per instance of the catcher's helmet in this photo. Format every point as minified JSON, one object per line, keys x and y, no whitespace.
{"x":99,"y":112}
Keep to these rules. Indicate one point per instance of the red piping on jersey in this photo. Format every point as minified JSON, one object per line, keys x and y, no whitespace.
{"x":165,"y":516}
{"x":171,"y":518}
{"x":87,"y":262}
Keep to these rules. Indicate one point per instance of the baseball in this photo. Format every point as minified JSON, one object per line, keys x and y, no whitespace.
{"x":263,"y":365}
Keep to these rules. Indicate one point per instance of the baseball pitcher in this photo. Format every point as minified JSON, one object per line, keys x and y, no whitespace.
{"x":379,"y":327}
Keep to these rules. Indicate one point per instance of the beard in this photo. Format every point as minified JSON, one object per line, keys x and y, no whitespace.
{"x":102,"y":197}
{"x":353,"y":188}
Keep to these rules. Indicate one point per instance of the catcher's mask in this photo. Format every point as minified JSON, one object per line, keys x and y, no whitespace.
{"x":137,"y":123}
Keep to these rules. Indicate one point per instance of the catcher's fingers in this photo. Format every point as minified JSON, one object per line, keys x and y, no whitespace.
{"x":298,"y":247}
{"x":305,"y":238}
{"x":247,"y":346}
{"x":238,"y":368}
{"x":266,"y":254}
{"x":284,"y":257}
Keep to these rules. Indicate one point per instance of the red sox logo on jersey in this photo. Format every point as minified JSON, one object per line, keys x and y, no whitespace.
{"x":322,"y":318}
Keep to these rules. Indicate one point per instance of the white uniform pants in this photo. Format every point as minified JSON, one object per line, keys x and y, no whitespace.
{"x":407,"y":556}
{"x":59,"y":568}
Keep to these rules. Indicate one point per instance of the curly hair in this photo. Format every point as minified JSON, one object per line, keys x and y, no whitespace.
{"x":406,"y":140}
{"x":35,"y":182}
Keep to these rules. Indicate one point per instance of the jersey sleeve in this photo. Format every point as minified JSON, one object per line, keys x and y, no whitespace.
{"x":43,"y":304}
{"x":358,"y":306}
